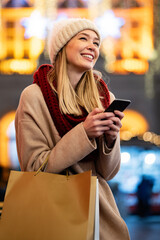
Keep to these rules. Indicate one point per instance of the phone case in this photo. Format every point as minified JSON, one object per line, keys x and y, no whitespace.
{"x":118,"y":104}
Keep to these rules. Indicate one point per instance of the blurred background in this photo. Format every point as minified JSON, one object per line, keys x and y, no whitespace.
{"x":130,"y":64}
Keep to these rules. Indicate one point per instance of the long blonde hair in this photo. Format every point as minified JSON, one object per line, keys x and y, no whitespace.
{"x":70,"y":101}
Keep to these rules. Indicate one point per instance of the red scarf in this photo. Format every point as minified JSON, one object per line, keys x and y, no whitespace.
{"x":63,"y":122}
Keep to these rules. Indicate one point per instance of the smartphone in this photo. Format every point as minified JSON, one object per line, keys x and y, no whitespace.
{"x":118,"y":104}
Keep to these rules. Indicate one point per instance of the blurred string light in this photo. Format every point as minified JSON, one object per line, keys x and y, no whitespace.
{"x":150,"y":158}
{"x":125,"y":157}
{"x":133,"y":124}
{"x":150,"y":137}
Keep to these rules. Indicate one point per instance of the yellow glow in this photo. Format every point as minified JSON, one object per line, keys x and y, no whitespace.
{"x":4,"y":123}
{"x":156,"y":140}
{"x":134,"y":65}
{"x":150,"y":137}
{"x":36,"y":47}
{"x":16,"y":13}
{"x":135,"y":46}
{"x":17,"y":54}
{"x":22,"y":66}
{"x":77,"y":12}
{"x":124,"y":66}
{"x":147,"y":136}
{"x":133,"y":124}
{"x":3,"y":49}
{"x":19,"y":49}
{"x":126,"y":135}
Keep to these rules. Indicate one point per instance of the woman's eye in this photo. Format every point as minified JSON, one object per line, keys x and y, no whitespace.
{"x":96,"y":43}
{"x":83,"y":38}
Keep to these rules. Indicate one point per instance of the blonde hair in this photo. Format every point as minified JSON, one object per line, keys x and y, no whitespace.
{"x":86,"y":93}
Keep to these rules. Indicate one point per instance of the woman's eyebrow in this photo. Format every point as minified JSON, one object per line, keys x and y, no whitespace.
{"x":96,"y":38}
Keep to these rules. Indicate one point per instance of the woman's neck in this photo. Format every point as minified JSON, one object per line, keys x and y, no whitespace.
{"x":74,"y":78}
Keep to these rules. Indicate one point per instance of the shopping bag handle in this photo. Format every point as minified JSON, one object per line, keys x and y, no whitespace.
{"x":44,"y":163}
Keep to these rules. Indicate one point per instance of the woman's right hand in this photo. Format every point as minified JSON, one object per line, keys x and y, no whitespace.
{"x":97,"y":122}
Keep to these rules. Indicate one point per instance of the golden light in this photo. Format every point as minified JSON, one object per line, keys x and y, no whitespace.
{"x":133,"y":124}
{"x":131,"y":51}
{"x":74,"y":12}
{"x":125,"y":66}
{"x":18,"y":53}
{"x":4,"y":124}
{"x":21,"y":66}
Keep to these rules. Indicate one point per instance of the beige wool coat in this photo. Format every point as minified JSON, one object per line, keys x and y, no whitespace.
{"x":37,"y":136}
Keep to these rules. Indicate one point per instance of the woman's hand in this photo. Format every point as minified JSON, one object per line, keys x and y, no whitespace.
{"x":98,"y":123}
{"x":111,"y":134}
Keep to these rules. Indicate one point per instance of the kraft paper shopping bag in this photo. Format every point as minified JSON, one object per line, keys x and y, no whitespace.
{"x":48,"y":206}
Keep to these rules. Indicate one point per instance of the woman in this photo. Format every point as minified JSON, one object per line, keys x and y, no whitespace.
{"x":62,"y":114}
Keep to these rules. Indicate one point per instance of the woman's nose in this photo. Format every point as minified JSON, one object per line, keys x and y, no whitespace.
{"x":91,"y":47}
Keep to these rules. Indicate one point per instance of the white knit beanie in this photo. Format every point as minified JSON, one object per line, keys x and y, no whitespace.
{"x":63,"y":31}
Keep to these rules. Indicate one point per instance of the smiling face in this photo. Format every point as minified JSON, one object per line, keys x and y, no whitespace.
{"x":82,"y":51}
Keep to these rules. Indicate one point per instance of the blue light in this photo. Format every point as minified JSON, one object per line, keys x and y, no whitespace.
{"x":12,"y":150}
{"x":150,"y":158}
{"x":125,"y":157}
{"x":109,"y":25}
{"x":35,"y":25}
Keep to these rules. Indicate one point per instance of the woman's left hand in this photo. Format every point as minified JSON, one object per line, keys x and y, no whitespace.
{"x":111,"y":134}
